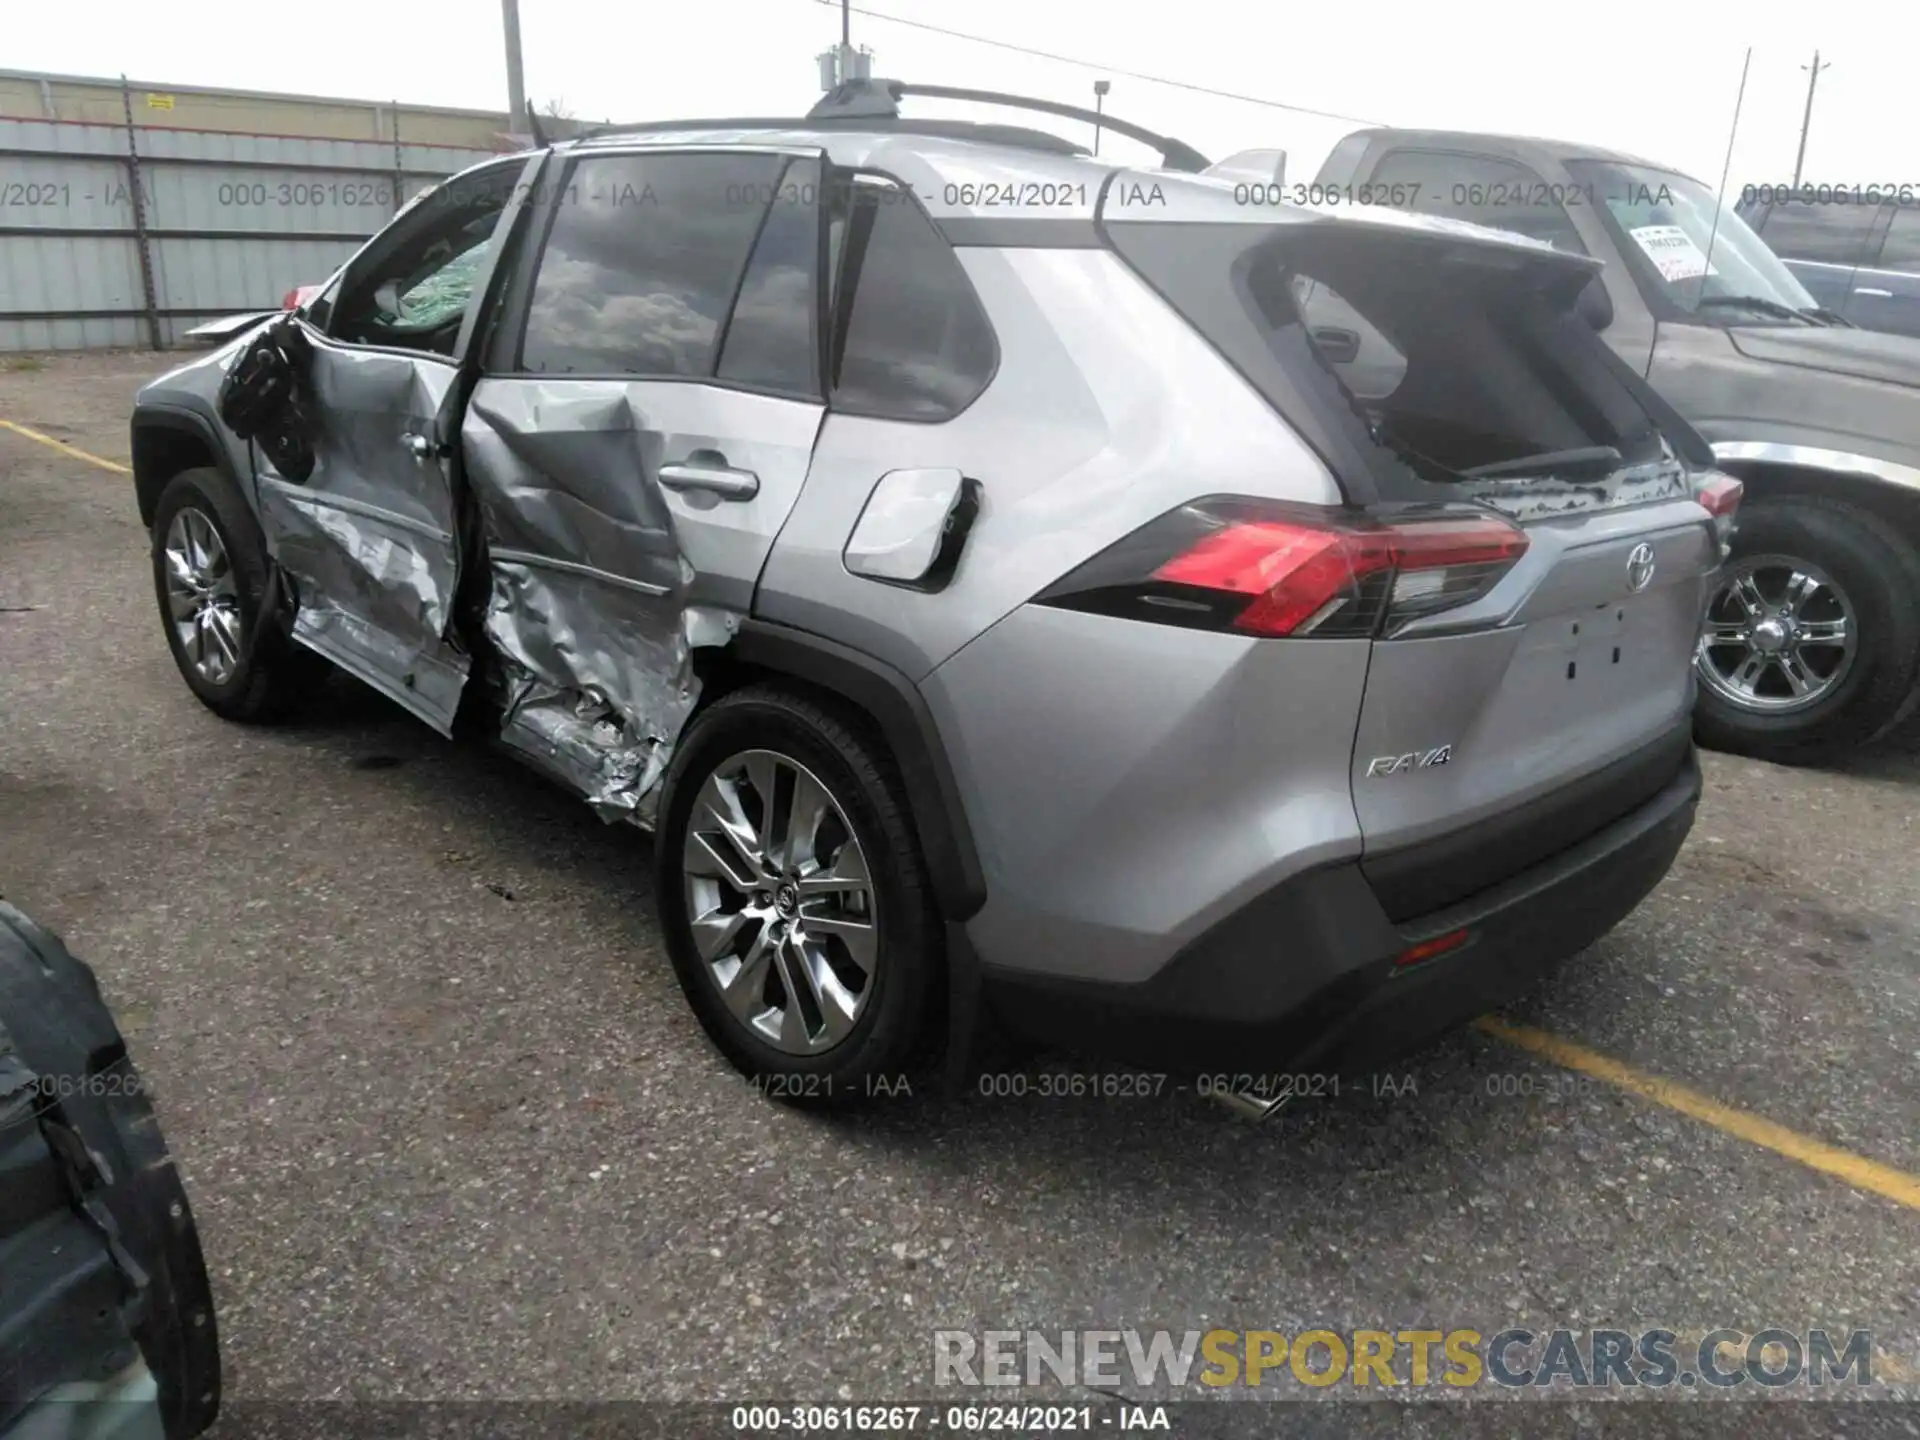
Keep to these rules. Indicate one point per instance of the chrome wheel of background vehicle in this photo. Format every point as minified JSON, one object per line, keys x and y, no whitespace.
{"x":203,"y":600}
{"x":1779,"y":636}
{"x":780,"y":902}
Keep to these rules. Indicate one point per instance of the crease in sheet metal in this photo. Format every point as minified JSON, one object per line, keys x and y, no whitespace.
{"x":598,"y":655}
{"x":368,"y":537}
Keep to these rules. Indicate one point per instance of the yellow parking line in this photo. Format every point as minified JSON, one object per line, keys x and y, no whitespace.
{"x":1856,"y":1170}
{"x":61,"y":445}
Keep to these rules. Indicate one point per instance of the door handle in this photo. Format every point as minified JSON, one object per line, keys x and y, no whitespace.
{"x":721,"y":479}
{"x":421,"y":447}
{"x":1874,"y":291}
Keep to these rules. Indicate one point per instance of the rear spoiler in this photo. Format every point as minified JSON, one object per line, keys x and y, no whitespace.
{"x":1259,"y":167}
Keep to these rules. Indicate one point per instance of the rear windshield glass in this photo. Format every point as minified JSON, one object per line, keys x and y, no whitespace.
{"x":1409,"y":356}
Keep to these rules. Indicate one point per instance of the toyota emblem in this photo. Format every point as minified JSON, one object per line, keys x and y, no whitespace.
{"x":1640,"y":567}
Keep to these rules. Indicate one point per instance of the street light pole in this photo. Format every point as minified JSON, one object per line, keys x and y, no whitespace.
{"x":516,"y":83}
{"x":1806,"y":121}
{"x":1100,"y":89}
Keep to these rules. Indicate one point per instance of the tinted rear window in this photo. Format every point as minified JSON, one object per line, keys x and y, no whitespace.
{"x":643,"y":261}
{"x":915,"y":344}
{"x":1403,"y":359}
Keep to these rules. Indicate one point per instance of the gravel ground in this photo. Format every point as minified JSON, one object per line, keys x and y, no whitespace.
{"x":451,"y":1132}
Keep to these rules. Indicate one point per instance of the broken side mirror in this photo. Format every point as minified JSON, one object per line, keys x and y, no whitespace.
{"x":263,"y":398}
{"x":1595,"y":305}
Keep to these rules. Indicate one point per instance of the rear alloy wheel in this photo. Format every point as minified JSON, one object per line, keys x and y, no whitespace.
{"x":1811,"y":641}
{"x":795,"y":901}
{"x":779,"y":902}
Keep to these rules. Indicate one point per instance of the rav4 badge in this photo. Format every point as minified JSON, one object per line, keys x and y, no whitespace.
{"x":1412,"y":760}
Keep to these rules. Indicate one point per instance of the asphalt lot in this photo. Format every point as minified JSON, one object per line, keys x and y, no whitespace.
{"x":450,"y":1130}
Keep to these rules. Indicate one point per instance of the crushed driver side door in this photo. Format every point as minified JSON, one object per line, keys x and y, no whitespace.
{"x":370,"y":535}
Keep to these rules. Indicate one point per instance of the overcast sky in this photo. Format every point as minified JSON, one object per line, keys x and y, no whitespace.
{"x":1653,"y":77}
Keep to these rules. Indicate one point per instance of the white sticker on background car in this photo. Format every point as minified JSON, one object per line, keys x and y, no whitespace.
{"x":1672,"y":251}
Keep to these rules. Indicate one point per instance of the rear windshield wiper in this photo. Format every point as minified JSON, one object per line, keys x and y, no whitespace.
{"x":1590,"y":457}
{"x":1755,"y":302}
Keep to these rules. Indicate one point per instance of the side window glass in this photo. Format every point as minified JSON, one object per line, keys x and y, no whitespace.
{"x":1901,"y":251}
{"x":914,"y":342}
{"x":1834,"y":232}
{"x":411,"y":289}
{"x":771,"y":340}
{"x":1482,"y":191}
{"x":643,"y":261}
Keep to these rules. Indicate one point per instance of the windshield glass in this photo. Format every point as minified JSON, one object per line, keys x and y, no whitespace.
{"x":1664,"y":224}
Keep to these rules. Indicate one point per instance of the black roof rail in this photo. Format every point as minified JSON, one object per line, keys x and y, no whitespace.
{"x":951,"y":129}
{"x":880,"y":100}
{"x":875,"y":105}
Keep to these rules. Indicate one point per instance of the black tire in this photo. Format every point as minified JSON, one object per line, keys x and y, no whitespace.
{"x":1880,"y":573}
{"x":273,"y":674}
{"x":55,"y":1024}
{"x":889,"y":1041}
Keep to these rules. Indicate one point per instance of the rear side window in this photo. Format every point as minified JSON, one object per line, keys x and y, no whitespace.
{"x":643,"y":261}
{"x":1482,"y":191}
{"x":1834,"y":232}
{"x":914,"y":343}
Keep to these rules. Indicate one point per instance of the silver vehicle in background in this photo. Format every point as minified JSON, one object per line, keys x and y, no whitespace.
{"x":1001,"y":577}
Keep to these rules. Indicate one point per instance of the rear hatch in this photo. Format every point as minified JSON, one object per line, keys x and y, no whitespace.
{"x":1527,"y":688}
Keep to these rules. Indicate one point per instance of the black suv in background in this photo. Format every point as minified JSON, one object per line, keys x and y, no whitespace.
{"x":1855,"y":249}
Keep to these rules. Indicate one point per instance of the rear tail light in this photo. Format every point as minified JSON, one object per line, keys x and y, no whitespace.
{"x":1273,"y":569}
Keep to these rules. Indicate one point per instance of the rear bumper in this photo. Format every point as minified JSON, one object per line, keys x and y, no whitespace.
{"x":1232,"y":1000}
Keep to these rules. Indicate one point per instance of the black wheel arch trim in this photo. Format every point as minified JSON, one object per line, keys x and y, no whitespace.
{"x":897,"y":706}
{"x":182,"y":419}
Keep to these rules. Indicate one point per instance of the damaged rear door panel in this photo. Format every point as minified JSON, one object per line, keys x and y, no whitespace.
{"x":363,"y":517}
{"x":642,"y":429}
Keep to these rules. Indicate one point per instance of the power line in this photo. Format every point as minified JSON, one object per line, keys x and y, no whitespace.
{"x":1093,"y":65}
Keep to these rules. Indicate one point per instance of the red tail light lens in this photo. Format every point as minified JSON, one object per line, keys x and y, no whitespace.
{"x":1284,"y":570}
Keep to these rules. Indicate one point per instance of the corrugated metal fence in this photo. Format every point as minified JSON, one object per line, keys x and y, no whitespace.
{"x":132,"y":235}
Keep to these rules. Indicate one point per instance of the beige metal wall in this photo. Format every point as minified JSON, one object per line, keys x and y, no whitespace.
{"x":26,"y":95}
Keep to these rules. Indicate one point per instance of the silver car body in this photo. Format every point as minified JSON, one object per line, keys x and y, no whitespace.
{"x":1125,"y":787}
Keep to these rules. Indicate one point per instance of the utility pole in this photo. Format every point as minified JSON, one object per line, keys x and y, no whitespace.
{"x":1813,"y":78}
{"x":1100,"y":89}
{"x":516,"y":82}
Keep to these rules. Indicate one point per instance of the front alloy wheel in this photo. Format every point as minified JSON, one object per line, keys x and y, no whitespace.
{"x":779,"y":902}
{"x":1779,"y":637}
{"x":203,"y":599}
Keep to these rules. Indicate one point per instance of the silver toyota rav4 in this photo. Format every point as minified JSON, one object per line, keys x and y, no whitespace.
{"x":1199,"y":631}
